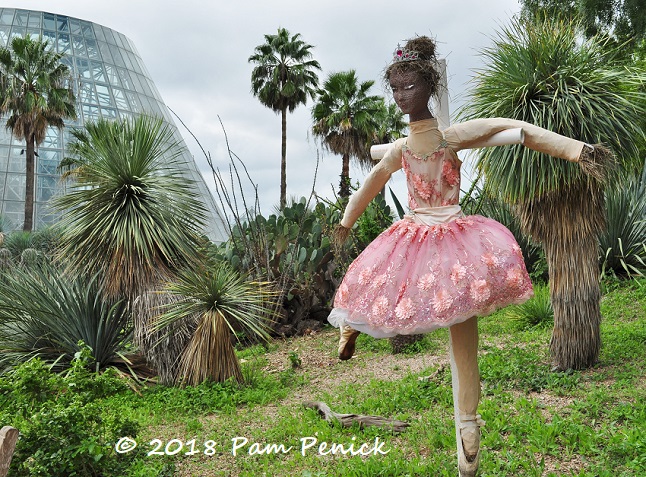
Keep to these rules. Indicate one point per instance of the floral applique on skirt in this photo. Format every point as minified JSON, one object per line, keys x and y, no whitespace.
{"x":414,"y":278}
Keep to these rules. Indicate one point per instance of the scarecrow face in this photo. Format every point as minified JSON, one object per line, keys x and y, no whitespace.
{"x":411,"y":93}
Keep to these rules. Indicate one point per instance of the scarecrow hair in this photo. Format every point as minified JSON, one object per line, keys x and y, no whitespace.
{"x":425,"y":65}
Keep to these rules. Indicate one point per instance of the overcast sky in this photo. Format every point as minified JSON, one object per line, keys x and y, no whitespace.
{"x":197,"y":50}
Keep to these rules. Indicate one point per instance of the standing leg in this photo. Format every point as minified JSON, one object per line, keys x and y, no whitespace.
{"x":463,"y":351}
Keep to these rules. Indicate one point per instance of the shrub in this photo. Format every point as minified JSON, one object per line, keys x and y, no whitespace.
{"x":64,"y":428}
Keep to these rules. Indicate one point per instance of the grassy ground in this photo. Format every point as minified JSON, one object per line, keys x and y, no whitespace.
{"x":539,"y":423}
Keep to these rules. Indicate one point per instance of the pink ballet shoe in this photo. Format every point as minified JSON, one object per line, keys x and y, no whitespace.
{"x":347,"y":342}
{"x":469,"y":444}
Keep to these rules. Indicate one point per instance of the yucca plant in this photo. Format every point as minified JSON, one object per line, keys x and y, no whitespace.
{"x":216,"y":301}
{"x":545,"y":73}
{"x":45,"y":313}
{"x":131,"y":216}
{"x":623,"y":244}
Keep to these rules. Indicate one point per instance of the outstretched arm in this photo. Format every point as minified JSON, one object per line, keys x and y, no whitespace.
{"x":475,"y":133}
{"x":374,"y":182}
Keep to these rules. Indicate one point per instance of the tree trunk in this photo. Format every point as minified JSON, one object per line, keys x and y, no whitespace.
{"x":344,"y":185}
{"x":30,"y":178}
{"x":568,"y":224}
{"x":283,"y":161}
{"x":575,"y":296}
{"x":400,"y":342}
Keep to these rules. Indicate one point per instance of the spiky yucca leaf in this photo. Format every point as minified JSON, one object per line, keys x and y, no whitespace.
{"x":131,"y":214}
{"x":623,"y":244}
{"x":544,"y":73}
{"x":221,"y":301}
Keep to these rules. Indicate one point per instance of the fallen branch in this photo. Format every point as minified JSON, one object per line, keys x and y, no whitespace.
{"x":348,"y":420}
{"x":434,"y":375}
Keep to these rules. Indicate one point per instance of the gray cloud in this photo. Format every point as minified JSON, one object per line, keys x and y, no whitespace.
{"x":197,"y":51}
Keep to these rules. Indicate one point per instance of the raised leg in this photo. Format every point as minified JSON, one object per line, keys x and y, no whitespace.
{"x":347,"y":340}
{"x":463,"y":354}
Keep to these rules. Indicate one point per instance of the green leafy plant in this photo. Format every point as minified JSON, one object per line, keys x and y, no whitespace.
{"x":64,"y":429}
{"x":294,"y":359}
{"x":375,"y":219}
{"x":535,"y":312}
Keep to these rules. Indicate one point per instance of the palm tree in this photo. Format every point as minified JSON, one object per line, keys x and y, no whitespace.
{"x":546,"y":74}
{"x":348,"y":121}
{"x":36,"y":92}
{"x":282,"y":79}
{"x":392,"y":124}
{"x":215,"y":300}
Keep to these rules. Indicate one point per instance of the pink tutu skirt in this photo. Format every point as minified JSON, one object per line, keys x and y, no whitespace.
{"x":415,"y":278}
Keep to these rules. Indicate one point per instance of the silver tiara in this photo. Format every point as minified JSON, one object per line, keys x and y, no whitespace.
{"x":404,"y":54}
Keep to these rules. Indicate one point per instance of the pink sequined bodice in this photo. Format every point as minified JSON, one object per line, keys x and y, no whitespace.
{"x":433,"y":179}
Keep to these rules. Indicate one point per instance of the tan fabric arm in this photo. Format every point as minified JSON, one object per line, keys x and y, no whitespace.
{"x":375,"y":181}
{"x":471,"y":134}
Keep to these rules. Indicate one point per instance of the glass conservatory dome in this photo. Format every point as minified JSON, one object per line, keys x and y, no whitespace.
{"x":111,"y":82}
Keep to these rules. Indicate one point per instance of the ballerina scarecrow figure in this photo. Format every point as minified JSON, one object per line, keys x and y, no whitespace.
{"x":436,"y":268}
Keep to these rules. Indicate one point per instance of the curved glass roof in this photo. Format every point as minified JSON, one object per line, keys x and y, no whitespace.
{"x":111,"y":82}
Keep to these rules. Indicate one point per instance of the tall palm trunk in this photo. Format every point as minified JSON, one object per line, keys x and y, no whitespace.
{"x":568,"y":223}
{"x":344,"y":185}
{"x":30,"y":178}
{"x":283,"y":161}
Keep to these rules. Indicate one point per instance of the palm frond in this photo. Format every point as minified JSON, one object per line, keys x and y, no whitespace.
{"x":544,"y":73}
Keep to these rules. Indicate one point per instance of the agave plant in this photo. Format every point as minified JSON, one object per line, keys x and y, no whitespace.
{"x":218,"y":302}
{"x":623,"y":244}
{"x":46,"y":314}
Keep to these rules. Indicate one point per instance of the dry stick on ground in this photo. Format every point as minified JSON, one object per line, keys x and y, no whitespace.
{"x":348,"y":420}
